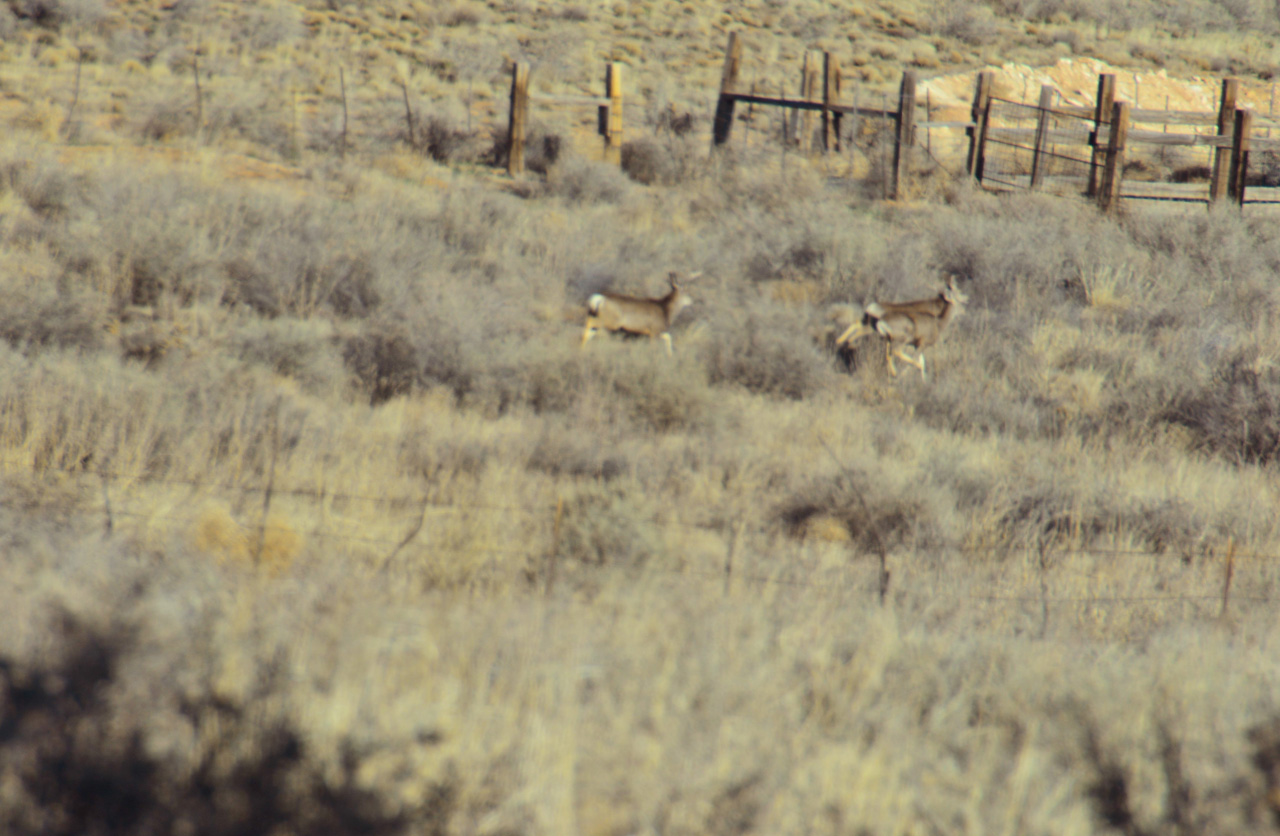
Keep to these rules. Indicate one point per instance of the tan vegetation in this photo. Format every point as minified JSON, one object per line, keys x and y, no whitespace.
{"x":315,"y":519}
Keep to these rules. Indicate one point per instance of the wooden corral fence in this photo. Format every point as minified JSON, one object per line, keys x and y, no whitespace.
{"x":821,"y":91}
{"x":1095,"y":150}
{"x":608,"y":113}
{"x":1103,"y":150}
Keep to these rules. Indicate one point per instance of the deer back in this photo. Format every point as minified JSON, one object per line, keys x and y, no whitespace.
{"x":636,"y":315}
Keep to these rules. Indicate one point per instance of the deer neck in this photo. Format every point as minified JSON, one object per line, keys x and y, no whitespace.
{"x":673,"y":302}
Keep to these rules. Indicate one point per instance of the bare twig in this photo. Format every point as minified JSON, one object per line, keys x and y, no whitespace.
{"x":195,"y":71}
{"x":271,"y":481}
{"x":342,"y":80}
{"x":408,"y":112}
{"x":75,"y":95}
{"x":408,"y":538}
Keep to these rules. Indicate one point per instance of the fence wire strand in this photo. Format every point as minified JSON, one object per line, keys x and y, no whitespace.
{"x":842,"y":581}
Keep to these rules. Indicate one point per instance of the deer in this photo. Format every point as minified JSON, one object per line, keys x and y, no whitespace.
{"x":650,"y":318}
{"x":918,"y":324}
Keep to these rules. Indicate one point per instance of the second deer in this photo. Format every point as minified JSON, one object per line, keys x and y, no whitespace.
{"x":918,"y":324}
{"x":635,"y":315}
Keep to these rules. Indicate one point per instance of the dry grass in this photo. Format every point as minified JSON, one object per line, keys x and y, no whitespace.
{"x":317,"y":519}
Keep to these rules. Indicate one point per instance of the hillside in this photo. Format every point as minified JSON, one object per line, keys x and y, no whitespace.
{"x":317,"y":518}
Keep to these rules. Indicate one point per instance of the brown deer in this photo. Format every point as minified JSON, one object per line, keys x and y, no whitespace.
{"x":918,"y":324}
{"x":634,"y":315}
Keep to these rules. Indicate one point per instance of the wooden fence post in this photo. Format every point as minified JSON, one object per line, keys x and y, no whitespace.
{"x":1038,"y":161}
{"x":1101,"y":116}
{"x":342,"y":81}
{"x":519,"y":115}
{"x":830,"y":92}
{"x":809,"y":93}
{"x":728,"y":86}
{"x":1113,"y":171}
{"x":905,"y":135}
{"x":978,"y":115}
{"x":1243,"y":124}
{"x":613,"y":124}
{"x":1221,"y":172}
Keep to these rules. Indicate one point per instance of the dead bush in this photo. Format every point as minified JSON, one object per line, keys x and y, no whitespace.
{"x":876,"y":520}
{"x":767,"y":350}
{"x":1235,"y":414}
{"x":583,"y":181}
{"x":77,"y":760}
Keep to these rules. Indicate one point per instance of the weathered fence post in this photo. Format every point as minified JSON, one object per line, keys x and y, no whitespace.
{"x":1221,"y":172}
{"x":1113,"y":171}
{"x":519,"y":115}
{"x":905,"y":135}
{"x":830,"y":92}
{"x":809,"y":93}
{"x":978,"y":115}
{"x":1240,"y":154}
{"x":613,"y":122}
{"x":1042,"y":135}
{"x":342,"y":81}
{"x":728,"y":86}
{"x":1101,"y":116}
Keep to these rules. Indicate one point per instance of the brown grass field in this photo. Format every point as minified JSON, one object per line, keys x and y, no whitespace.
{"x":315,"y":518}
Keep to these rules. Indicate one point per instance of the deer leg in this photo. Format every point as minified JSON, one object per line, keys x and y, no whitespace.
{"x":918,"y":363}
{"x":853,"y":332}
{"x":588,"y":333}
{"x":888,"y":357}
{"x":666,"y":338}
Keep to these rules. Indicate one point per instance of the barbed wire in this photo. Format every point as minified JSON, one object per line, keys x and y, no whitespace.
{"x":719,"y":576}
{"x":547,"y":509}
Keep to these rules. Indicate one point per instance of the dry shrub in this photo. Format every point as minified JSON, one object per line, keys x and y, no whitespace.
{"x":563,"y":451}
{"x":271,"y":547}
{"x":1235,"y":414}
{"x":49,"y":189}
{"x":78,"y":760}
{"x":604,"y":528}
{"x":542,"y":149}
{"x":634,"y":383}
{"x":55,"y":14}
{"x":766,"y":350}
{"x":385,"y":365}
{"x":878,"y":519}
{"x":583,"y":181}
{"x":660,"y":162}
{"x":443,"y":142}
{"x":39,"y":317}
{"x":165,"y":121}
{"x":305,"y":350}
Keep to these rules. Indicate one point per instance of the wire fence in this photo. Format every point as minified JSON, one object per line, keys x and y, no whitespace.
{"x":1206,"y":583}
{"x":1065,"y":158}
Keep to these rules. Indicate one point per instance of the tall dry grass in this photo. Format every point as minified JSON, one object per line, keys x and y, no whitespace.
{"x":317,"y":519}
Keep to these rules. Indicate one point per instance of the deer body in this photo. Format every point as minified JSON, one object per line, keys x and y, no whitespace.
{"x":651,"y":318}
{"x":918,"y":324}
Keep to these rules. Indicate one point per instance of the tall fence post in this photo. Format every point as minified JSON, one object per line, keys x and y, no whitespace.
{"x":830,"y":92}
{"x":1243,"y":124}
{"x":519,"y":115}
{"x":1113,"y":170}
{"x":904,"y":137}
{"x":1101,"y":116}
{"x":809,"y":93}
{"x":728,"y":86}
{"x":978,"y":115}
{"x":613,"y":123}
{"x":1221,"y":154}
{"x":1042,"y":135}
